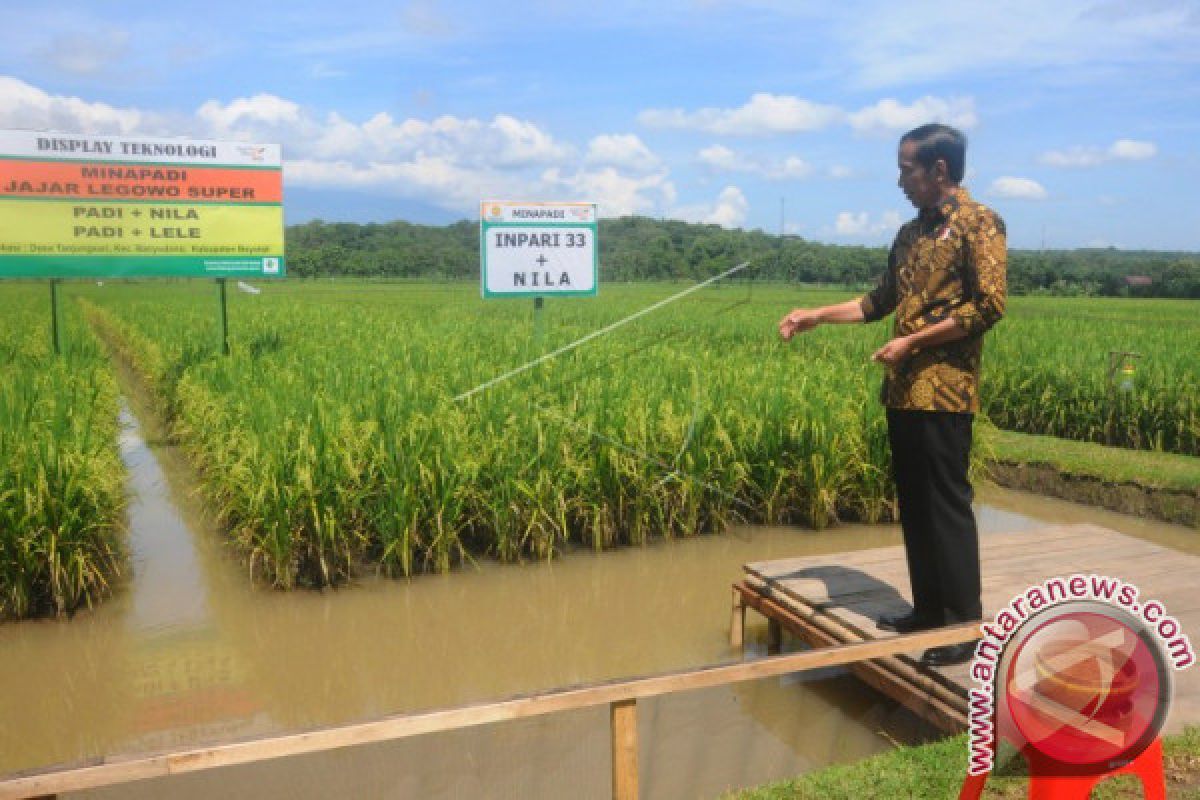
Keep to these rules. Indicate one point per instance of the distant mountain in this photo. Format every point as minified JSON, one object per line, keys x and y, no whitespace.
{"x":304,"y":205}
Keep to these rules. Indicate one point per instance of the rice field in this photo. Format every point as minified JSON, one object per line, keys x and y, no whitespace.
{"x":330,"y":438}
{"x":61,"y":480}
{"x":331,"y":442}
{"x":1047,"y":372}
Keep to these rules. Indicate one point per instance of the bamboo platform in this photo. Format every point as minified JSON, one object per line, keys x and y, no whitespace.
{"x":837,"y":598}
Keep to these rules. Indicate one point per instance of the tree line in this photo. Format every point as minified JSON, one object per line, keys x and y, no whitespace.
{"x":645,"y":249}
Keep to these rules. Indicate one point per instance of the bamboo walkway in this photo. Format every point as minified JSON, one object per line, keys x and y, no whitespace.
{"x":836,"y":599}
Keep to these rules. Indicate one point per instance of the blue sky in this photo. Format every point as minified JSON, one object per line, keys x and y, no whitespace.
{"x":1083,"y":115}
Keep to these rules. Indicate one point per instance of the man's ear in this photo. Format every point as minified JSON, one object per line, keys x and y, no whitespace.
{"x":941,"y":171}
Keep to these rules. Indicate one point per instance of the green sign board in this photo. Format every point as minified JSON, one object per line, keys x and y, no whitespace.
{"x":74,"y":205}
{"x":538,"y":249}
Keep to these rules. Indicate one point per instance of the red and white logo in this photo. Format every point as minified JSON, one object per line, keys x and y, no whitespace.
{"x":1085,"y":686}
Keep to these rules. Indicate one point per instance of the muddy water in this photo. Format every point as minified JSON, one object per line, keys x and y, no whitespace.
{"x":189,"y":653}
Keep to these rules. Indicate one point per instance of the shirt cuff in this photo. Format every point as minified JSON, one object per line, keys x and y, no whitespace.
{"x":969,"y":319}
{"x":869,"y":310}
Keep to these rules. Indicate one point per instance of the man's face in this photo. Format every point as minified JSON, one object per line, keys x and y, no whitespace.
{"x":920,"y":185}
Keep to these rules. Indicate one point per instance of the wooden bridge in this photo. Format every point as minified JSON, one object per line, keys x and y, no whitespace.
{"x":836,"y":599}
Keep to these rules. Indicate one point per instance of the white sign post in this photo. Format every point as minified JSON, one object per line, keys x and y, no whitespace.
{"x":537,"y":249}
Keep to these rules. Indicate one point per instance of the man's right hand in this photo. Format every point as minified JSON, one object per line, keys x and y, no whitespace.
{"x":799,"y":321}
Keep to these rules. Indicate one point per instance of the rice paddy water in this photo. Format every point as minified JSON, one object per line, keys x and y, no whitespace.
{"x":217,"y":658}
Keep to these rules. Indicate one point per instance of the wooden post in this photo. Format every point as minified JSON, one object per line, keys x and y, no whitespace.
{"x":774,"y":636}
{"x":224,"y":319}
{"x":737,"y":621}
{"x":539,"y":303}
{"x":623,"y":715}
{"x":54,"y":317}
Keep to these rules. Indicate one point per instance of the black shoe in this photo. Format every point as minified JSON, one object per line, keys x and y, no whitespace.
{"x":904,"y":623}
{"x":948,"y":655}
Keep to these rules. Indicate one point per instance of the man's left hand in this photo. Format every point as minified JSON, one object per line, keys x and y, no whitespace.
{"x":894,"y":351}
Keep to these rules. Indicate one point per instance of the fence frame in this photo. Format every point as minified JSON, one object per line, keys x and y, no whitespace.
{"x":621,"y":696}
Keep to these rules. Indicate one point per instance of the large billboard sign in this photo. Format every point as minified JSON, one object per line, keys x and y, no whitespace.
{"x":76,"y":205}
{"x":537,"y":249}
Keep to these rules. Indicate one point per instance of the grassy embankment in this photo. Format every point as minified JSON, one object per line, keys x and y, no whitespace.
{"x":1161,"y":485}
{"x":936,"y":771}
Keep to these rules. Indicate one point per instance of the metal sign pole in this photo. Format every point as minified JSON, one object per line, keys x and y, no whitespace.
{"x":224,"y":319}
{"x":54,"y":317}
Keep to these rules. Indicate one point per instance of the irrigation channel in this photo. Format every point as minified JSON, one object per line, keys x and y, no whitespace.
{"x":189,"y":652}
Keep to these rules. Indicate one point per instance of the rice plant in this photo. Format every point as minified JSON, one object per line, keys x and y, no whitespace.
{"x":61,"y":479}
{"x":330,"y":441}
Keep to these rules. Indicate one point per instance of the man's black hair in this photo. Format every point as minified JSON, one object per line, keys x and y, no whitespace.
{"x":936,"y":141}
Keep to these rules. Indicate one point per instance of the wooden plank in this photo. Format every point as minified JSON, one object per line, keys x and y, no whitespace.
{"x":623,"y":719}
{"x":861,"y":586}
{"x":128,"y":769}
{"x":737,"y":621}
{"x":950,"y":717}
{"x":872,"y":592}
{"x":853,"y":581}
{"x":842,"y":633}
{"x":1043,"y":538}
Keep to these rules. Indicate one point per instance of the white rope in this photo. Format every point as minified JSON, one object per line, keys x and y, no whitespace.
{"x":512,"y":373}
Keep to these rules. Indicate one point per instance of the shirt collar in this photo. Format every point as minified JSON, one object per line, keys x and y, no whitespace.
{"x":958,"y":195}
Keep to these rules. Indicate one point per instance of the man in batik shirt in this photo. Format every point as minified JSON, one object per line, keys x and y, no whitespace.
{"x":945,"y":281}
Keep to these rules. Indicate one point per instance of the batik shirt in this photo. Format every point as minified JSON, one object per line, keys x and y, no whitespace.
{"x":948,"y":262}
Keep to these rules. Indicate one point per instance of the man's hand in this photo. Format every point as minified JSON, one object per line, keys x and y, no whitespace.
{"x":894,"y":351}
{"x":799,"y":321}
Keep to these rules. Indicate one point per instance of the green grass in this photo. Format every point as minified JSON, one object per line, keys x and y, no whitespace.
{"x":936,"y":772}
{"x":1109,"y":464}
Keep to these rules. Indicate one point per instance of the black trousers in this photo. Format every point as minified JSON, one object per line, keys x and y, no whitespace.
{"x":930,"y":454}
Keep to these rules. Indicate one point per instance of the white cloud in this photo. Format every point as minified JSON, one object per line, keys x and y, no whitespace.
{"x":1120,"y":150}
{"x":860,"y":223}
{"x":444,"y":182}
{"x":729,"y":210}
{"x":504,"y":142}
{"x":794,"y":167}
{"x":889,"y":44}
{"x":615,"y":194}
{"x":1074,"y":157}
{"x":322,"y":70}
{"x":1131,"y":150}
{"x":249,"y":113}
{"x":891,"y":116}
{"x":522,"y":142}
{"x":85,"y":53}
{"x":621,"y":150}
{"x":721,"y":159}
{"x":1018,"y":188}
{"x":764,"y":113}
{"x":447,"y":161}
{"x":423,"y":17}
{"x":767,"y":114}
{"x":25,"y":106}
{"x":840,"y":171}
